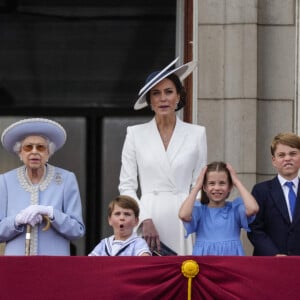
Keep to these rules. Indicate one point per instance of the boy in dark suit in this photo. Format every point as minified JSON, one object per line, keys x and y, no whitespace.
{"x":276,"y":229}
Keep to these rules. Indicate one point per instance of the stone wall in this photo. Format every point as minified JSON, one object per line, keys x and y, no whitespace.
{"x":246,"y":81}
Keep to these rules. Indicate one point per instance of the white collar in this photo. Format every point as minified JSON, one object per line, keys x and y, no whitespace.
{"x":283,"y":181}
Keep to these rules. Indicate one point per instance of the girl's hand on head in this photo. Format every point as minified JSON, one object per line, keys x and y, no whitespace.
{"x":200,"y":179}
{"x":232,"y":173}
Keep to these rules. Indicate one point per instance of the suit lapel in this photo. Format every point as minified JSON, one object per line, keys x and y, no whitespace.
{"x":177,"y":140}
{"x":297,"y":208}
{"x":165,"y":158}
{"x":156,"y":147}
{"x":279,"y":199}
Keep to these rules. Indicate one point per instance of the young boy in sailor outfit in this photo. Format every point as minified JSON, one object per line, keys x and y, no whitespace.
{"x":123,"y":216}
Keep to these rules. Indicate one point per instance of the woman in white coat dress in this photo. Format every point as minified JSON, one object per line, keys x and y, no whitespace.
{"x":163,"y":158}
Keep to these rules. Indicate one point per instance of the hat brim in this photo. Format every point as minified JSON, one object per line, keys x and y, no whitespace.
{"x":17,"y":131}
{"x":182,"y":72}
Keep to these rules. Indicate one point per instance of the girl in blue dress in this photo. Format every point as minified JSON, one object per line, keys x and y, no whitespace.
{"x":217,"y":222}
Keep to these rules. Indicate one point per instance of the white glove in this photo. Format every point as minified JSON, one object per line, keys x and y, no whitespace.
{"x":20,"y":218}
{"x":36,"y":220}
{"x":32,"y":212}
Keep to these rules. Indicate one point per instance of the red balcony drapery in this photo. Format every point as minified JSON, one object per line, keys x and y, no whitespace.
{"x":86,"y":278}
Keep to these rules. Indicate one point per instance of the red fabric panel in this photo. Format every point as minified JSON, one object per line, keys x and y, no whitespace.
{"x":87,"y":278}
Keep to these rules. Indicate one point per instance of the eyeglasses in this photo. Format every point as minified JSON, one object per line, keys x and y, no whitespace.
{"x":38,"y":147}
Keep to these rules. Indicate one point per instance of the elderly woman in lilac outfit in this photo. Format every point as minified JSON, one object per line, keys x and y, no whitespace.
{"x":38,"y":191}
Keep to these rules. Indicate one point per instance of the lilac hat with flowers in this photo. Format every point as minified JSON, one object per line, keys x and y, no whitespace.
{"x":49,"y":129}
{"x":155,"y":77}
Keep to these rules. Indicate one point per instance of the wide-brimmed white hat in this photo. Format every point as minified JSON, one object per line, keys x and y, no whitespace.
{"x":155,"y":77}
{"x":17,"y":131}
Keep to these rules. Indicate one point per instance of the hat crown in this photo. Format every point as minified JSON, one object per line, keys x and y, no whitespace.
{"x":153,"y":74}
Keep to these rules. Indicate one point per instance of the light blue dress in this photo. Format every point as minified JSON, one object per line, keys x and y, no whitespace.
{"x":133,"y":246}
{"x":218,"y":229}
{"x":59,"y":189}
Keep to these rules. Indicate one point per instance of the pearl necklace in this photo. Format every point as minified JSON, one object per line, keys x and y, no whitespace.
{"x":34,"y":190}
